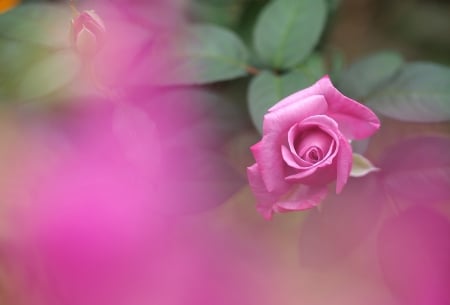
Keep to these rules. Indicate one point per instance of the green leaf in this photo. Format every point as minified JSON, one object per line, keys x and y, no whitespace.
{"x":313,"y":67}
{"x":419,"y":93}
{"x":49,"y":74}
{"x":208,"y":54}
{"x":267,"y":89}
{"x":368,"y":73}
{"x":288,"y":30}
{"x":224,"y":13}
{"x":44,"y":24}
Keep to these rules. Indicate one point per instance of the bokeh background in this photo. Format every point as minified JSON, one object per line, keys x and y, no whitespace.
{"x":145,"y":201}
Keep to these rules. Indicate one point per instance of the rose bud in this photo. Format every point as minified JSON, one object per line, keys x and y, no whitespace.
{"x":87,"y":33}
{"x":305,"y":147}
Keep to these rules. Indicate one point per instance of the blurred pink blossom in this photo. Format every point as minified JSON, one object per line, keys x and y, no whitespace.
{"x":126,"y":162}
{"x":414,"y":254}
{"x":87,"y":33}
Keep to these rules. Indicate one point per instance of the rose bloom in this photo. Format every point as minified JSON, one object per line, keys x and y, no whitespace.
{"x":306,"y":146}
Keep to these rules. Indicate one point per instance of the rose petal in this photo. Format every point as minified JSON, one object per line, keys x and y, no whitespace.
{"x":356,"y":128}
{"x":286,"y":117}
{"x":297,"y":97}
{"x":323,"y":122}
{"x":270,"y":163}
{"x":292,"y":160}
{"x":276,"y":124}
{"x":355,"y":120}
{"x":328,"y":158}
{"x":344,"y":164}
{"x":330,"y":127}
{"x":292,"y":151}
{"x":303,"y":197}
{"x":299,"y":175}
{"x":265,"y":200}
{"x":318,"y":139}
{"x":265,"y":211}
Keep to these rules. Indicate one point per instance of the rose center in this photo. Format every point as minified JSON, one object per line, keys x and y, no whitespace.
{"x":313,"y":154}
{"x":312,"y":144}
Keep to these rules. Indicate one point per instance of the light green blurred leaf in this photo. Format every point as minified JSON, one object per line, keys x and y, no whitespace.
{"x":15,"y":58}
{"x":419,"y":93}
{"x":44,"y":24}
{"x":49,"y":74}
{"x":208,"y":54}
{"x":267,"y":89}
{"x":30,"y":33}
{"x":287,"y":31}
{"x":365,"y":75}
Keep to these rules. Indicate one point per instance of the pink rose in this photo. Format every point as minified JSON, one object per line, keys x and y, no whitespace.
{"x":305,"y":146}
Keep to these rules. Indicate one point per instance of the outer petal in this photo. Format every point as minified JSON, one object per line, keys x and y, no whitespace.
{"x":297,"y":97}
{"x":267,"y":152}
{"x":303,"y":197}
{"x":344,"y":164}
{"x":284,"y":118}
{"x":265,"y":200}
{"x":323,"y":122}
{"x":270,"y":163}
{"x":355,"y":120}
{"x":302,"y":174}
